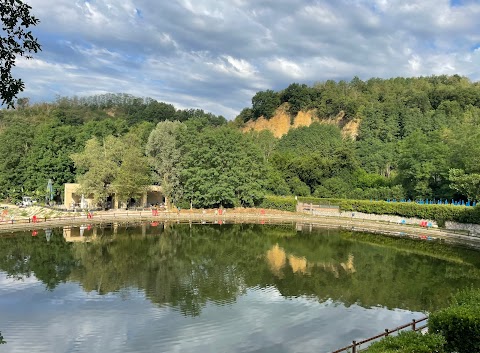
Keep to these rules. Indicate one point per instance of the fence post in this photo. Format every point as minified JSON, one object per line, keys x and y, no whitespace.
{"x":354,"y":348}
{"x":386,"y":332}
{"x":413,"y":325}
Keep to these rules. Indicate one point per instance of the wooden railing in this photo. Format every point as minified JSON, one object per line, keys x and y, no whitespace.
{"x":355,"y":346}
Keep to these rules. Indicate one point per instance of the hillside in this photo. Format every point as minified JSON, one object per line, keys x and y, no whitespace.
{"x":281,"y":122}
{"x":378,"y":139}
{"x":385,"y":109}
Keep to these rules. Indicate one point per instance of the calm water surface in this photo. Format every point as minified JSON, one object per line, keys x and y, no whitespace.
{"x":212,"y":288}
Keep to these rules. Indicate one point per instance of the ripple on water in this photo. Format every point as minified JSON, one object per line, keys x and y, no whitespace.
{"x":9,"y":284}
{"x":126,"y":321}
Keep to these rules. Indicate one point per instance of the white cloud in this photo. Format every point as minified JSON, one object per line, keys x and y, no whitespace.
{"x":415,"y":64}
{"x":286,"y":68}
{"x":213,"y":54}
{"x":69,"y":319}
{"x":38,"y":64}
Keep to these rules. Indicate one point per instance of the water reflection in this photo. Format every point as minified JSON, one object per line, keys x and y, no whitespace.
{"x":278,"y":258}
{"x":257,"y":284}
{"x":186,"y":266}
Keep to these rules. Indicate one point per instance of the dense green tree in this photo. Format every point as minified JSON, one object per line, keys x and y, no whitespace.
{"x":266,"y":142}
{"x":423,"y":165}
{"x":15,"y":143}
{"x":245,"y":115}
{"x":164,"y":148}
{"x":133,"y":175}
{"x":157,"y":111}
{"x":376,"y":156}
{"x":298,"y":96}
{"x":465,"y":184}
{"x":100,"y":161}
{"x":319,"y":138}
{"x":333,"y":187}
{"x":264,"y":103}
{"x":465,"y":147}
{"x":308,"y":157}
{"x":198,"y":115}
{"x":49,"y":158}
{"x":103,"y":128}
{"x":222,"y":167}
{"x":113,"y":165}
{"x":275,"y":182}
{"x":15,"y":40}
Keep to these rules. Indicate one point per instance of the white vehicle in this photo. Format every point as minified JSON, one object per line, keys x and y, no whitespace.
{"x":27,"y":201}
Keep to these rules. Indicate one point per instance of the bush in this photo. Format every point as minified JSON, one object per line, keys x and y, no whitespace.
{"x":467,"y":297}
{"x":183,"y":204}
{"x":283,"y":203}
{"x":438,"y":213}
{"x":459,"y":323}
{"x":409,"y":342}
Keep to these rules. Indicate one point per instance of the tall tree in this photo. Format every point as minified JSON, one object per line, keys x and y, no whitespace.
{"x":298,"y":96}
{"x":165,"y":153}
{"x":49,"y":157}
{"x":423,"y":165}
{"x":15,"y":144}
{"x":264,"y":104}
{"x":115,"y":165}
{"x":133,"y":175}
{"x":15,"y":40}
{"x":466,"y":184}
{"x":266,"y":141}
{"x":223,"y":167}
{"x":100,"y":161}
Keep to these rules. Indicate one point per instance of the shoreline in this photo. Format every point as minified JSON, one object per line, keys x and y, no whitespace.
{"x":300,"y":220}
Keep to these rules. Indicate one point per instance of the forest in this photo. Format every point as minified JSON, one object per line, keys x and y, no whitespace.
{"x":417,"y":139}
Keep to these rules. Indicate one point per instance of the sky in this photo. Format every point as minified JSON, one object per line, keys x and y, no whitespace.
{"x":215,"y":55}
{"x":69,"y":319}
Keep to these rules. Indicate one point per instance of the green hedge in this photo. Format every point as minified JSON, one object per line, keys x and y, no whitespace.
{"x":283,"y":203}
{"x":438,"y":213}
{"x":459,"y":323}
{"x":408,"y":342}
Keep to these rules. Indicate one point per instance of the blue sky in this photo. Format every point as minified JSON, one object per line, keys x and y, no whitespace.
{"x":215,"y":55}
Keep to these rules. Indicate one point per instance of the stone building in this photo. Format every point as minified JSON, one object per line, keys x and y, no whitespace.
{"x":73,"y":199}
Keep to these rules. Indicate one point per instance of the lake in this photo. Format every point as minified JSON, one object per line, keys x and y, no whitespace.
{"x":217,"y":288}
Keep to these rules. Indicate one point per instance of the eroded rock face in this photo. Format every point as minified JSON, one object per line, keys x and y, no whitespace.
{"x":282,"y":122}
{"x":279,"y":124}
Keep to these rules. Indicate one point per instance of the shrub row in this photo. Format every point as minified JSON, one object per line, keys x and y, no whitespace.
{"x":283,"y":203}
{"x":438,"y":213}
{"x":459,"y":323}
{"x":453,"y":329}
{"x":408,"y":342}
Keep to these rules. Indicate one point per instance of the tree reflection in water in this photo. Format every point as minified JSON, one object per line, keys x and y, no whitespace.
{"x":187,"y":267}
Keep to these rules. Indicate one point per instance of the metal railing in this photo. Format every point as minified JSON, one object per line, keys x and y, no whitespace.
{"x":126,"y":216}
{"x":355,"y":346}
